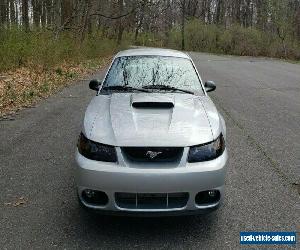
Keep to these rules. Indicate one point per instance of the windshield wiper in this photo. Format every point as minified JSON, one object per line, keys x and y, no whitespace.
{"x":167,"y":87}
{"x":123,"y":88}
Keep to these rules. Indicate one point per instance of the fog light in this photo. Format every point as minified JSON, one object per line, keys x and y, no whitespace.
{"x":94,"y":197}
{"x":212,"y":193}
{"x":89,"y":193}
{"x":207,"y":197}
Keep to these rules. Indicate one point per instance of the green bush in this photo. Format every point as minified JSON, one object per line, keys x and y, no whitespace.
{"x":201,"y":37}
{"x":96,"y":46}
{"x":40,"y":48}
{"x":174,"y":38}
{"x":235,"y":40}
{"x":242,"y":41}
{"x":37,"y":47}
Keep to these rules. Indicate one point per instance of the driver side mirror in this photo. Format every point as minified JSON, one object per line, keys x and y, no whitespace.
{"x":95,"y":84}
{"x":209,"y":86}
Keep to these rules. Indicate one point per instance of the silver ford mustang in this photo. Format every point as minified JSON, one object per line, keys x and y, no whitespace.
{"x":152,"y":142}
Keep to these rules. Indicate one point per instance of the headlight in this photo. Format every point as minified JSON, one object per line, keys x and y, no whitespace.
{"x":96,"y":151}
{"x":208,"y":151}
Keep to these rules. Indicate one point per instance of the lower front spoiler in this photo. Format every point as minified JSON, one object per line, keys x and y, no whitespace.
{"x":149,"y":214}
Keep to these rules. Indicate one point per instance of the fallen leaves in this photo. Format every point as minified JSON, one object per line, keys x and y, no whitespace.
{"x":20,"y":201}
{"x":25,"y":86}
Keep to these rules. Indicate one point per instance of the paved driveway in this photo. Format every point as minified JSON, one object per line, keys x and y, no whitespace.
{"x":260,"y":100}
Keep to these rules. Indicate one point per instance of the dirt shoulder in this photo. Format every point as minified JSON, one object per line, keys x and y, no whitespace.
{"x":26,"y":86}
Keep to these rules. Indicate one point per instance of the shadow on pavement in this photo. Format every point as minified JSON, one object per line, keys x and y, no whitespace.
{"x":146,"y":231}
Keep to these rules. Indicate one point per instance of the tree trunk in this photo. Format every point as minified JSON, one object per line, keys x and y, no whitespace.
{"x":25,"y":18}
{"x":66,"y":11}
{"x":57,"y":18}
{"x":37,"y":11}
{"x":140,"y":21}
{"x":86,"y":20}
{"x":208,"y":12}
{"x":183,"y":25}
{"x":263,"y":10}
{"x":3,"y":12}
{"x":120,"y":22}
{"x":203,"y":10}
{"x":12,"y":11}
{"x":44,"y":13}
{"x":218,"y":11}
{"x":49,"y":13}
{"x":237,"y":11}
{"x":297,"y":21}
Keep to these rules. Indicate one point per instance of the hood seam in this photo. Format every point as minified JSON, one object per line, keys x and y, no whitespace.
{"x":93,"y":124}
{"x":112,"y":128}
{"x":207,"y":118}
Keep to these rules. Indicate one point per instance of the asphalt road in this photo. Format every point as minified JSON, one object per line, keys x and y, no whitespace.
{"x":260,"y":100}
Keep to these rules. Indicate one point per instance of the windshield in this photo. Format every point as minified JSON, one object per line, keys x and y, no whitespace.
{"x":145,"y":71}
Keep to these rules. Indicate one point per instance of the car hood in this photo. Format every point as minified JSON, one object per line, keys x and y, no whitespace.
{"x":151,"y":119}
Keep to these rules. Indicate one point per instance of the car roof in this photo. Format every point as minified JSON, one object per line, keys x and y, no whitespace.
{"x":152,"y":52}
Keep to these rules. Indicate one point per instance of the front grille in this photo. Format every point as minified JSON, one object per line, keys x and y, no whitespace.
{"x":153,"y":154}
{"x":151,"y":200}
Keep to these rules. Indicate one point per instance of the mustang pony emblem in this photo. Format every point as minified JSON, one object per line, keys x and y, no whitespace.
{"x":152,"y":154}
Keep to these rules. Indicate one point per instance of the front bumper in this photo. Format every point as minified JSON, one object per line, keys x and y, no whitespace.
{"x":113,"y":177}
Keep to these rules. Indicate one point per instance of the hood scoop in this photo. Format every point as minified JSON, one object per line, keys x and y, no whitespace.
{"x":153,"y":105}
{"x":141,"y":101}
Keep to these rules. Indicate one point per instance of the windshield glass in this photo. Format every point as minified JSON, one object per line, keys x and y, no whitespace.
{"x":142,"y":71}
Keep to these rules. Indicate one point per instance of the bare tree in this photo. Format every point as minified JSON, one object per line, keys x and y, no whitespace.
{"x":159,"y":18}
{"x":25,"y":17}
